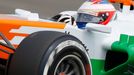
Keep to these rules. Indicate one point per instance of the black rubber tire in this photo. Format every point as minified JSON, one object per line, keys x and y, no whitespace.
{"x":33,"y":54}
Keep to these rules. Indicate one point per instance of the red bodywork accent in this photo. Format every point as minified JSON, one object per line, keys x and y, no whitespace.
{"x":96,"y":1}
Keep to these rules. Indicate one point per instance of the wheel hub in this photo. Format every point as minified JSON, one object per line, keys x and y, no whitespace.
{"x":62,"y":73}
{"x":70,"y":65}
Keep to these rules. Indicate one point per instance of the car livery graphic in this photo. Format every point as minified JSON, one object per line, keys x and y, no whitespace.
{"x":96,"y":39}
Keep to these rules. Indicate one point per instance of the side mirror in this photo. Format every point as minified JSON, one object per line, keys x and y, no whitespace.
{"x":27,"y":14}
{"x":98,"y":28}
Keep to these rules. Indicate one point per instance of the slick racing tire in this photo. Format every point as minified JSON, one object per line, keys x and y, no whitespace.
{"x":50,"y":53}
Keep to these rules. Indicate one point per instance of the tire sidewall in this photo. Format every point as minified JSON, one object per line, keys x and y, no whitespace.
{"x":60,"y":48}
{"x":65,"y":52}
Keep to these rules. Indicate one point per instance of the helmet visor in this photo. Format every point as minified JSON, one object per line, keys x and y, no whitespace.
{"x":82,"y":17}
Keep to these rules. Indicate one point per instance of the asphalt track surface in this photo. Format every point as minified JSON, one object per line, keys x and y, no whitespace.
{"x":46,"y":8}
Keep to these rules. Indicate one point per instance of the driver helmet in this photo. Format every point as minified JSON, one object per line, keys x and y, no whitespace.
{"x":95,"y":11}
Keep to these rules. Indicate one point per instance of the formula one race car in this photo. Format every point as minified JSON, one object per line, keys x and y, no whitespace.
{"x":95,"y":40}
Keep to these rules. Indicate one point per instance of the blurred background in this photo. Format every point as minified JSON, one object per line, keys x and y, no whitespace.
{"x":45,"y":8}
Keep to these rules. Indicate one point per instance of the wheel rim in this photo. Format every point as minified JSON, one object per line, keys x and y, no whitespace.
{"x":70,"y":65}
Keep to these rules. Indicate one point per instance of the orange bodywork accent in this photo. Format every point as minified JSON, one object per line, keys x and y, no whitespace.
{"x":13,"y":20}
{"x":125,"y":2}
{"x":4,"y":55}
{"x":62,"y":73}
{"x":9,"y":23}
{"x":32,"y":23}
{"x":5,"y":29}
